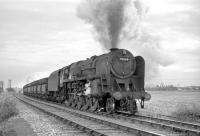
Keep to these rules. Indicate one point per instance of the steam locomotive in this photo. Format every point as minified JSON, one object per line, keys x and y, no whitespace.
{"x":110,"y":82}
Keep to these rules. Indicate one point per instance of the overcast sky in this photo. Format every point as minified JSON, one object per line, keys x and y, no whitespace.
{"x":40,"y":36}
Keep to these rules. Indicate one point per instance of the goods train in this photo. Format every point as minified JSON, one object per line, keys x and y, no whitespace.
{"x":110,"y":82}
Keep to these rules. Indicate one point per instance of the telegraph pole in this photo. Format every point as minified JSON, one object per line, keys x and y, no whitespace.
{"x":10,"y":89}
{"x":9,"y":83}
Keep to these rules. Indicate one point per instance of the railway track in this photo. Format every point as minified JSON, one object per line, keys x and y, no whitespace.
{"x":184,"y":128}
{"x":147,"y":125}
{"x":172,"y":125}
{"x":162,"y":116}
{"x":89,"y":124}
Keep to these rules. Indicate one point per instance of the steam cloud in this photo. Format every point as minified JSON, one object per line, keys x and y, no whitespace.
{"x":148,"y":46}
{"x":118,"y":23}
{"x":112,"y":19}
{"x":36,"y":76}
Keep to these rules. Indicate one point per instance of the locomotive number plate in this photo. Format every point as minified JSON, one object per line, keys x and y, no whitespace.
{"x":124,"y":59}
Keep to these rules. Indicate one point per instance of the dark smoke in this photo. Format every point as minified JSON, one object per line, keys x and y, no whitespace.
{"x":115,"y":20}
{"x":118,"y":23}
{"x":110,"y":19}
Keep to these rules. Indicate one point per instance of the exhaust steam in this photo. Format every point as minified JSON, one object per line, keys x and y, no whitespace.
{"x":118,"y":23}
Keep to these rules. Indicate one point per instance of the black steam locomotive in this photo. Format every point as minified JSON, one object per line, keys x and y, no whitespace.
{"x":110,"y":82}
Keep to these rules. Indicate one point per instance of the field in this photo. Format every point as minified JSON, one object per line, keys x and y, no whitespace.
{"x":182,"y":104}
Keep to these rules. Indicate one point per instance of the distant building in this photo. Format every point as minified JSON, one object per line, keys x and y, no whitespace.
{"x":162,"y":87}
{"x":1,"y":86}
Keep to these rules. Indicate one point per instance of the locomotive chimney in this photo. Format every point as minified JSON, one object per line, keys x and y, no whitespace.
{"x":113,"y":49}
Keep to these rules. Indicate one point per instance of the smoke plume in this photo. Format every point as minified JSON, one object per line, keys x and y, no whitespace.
{"x":112,"y":19}
{"x":118,"y":23}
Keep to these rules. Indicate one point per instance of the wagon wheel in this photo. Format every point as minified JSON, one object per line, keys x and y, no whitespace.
{"x":123,"y":103}
{"x":142,"y":103}
{"x":74,"y":101}
{"x":90,"y":103}
{"x":69,"y":101}
{"x":81,"y":102}
{"x":87,"y":103}
{"x":110,"y":105}
{"x":94,"y":104}
{"x":132,"y":106}
{"x":77,"y":102}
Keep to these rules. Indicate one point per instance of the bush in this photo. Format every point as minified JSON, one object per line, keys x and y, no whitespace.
{"x":188,"y":113}
{"x":7,"y":107}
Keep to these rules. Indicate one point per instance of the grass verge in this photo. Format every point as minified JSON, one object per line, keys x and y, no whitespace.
{"x":7,"y":107}
{"x":7,"y":110}
{"x":187,"y":113}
